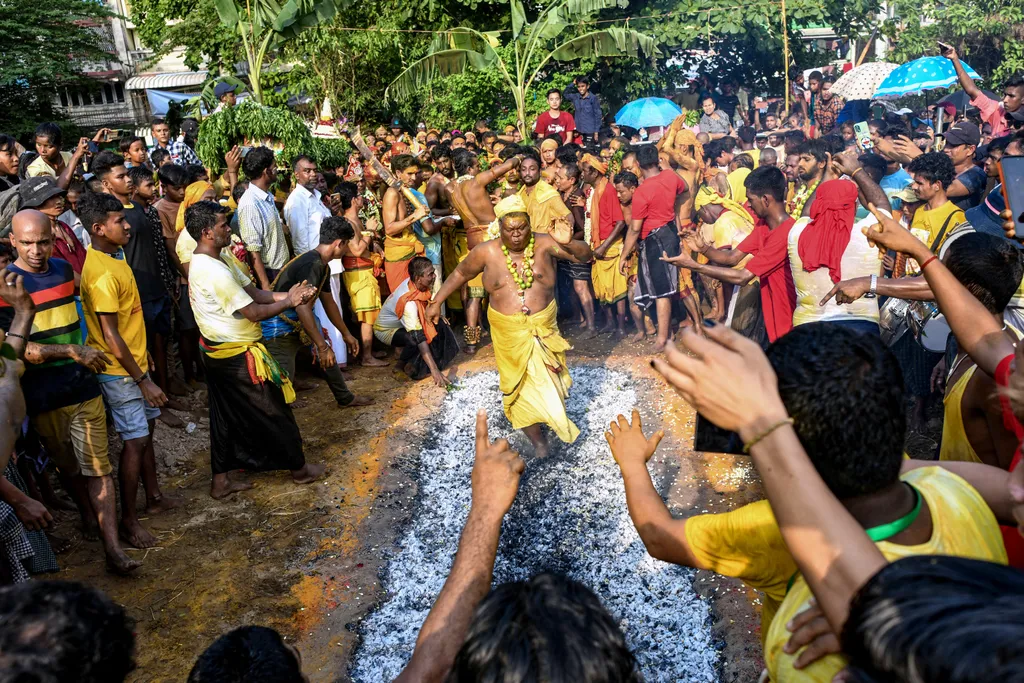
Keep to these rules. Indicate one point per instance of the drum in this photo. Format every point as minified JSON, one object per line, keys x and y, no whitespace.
{"x":928,"y":325}
{"x":892,"y":322}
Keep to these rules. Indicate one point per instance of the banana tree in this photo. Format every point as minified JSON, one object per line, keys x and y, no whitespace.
{"x":533,"y":47}
{"x":261,"y":24}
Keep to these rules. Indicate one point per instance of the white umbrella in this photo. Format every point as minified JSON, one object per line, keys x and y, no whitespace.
{"x":861,"y":82}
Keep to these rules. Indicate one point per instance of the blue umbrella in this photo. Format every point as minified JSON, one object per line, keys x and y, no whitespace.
{"x":648,"y":112}
{"x":926,"y":73}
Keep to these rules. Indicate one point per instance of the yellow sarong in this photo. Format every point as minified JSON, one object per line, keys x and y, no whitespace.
{"x":398,"y":251}
{"x":262,"y":366}
{"x":534,"y":379}
{"x":364,"y":293}
{"x":609,"y":284}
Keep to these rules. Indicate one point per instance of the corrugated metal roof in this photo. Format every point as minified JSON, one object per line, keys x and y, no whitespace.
{"x":179,"y":79}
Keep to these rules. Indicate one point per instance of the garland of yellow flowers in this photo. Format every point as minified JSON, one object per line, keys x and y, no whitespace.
{"x":524,"y":281}
{"x":800,"y":200}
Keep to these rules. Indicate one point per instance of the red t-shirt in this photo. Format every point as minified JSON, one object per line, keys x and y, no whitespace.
{"x":655,"y":201}
{"x":610,"y":212}
{"x":771,"y":265}
{"x":551,"y":125}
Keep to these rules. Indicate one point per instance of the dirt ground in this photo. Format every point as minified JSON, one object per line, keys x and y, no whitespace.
{"x":305,"y":560}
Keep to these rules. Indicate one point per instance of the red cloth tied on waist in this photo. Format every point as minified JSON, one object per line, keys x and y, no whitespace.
{"x":832,"y":213}
{"x":421,"y":300}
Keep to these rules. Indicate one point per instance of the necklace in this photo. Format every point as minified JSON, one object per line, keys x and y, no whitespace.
{"x":801,"y":199}
{"x":525,"y":280}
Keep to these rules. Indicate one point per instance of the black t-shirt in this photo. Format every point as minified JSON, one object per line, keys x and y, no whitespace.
{"x":140,"y":253}
{"x":309,"y":267}
{"x":976,"y":182}
{"x":728,"y":104}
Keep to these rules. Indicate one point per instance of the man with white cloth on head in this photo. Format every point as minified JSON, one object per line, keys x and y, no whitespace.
{"x":304,"y":211}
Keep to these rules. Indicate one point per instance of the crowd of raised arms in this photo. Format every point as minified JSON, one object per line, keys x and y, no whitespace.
{"x":808,"y":282}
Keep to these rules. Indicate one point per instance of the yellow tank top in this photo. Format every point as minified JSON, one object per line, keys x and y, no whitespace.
{"x":955,"y":444}
{"x":962,"y":525}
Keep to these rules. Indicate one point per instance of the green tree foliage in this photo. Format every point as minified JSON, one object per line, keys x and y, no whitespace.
{"x":562,"y":32}
{"x":46,"y":46}
{"x":986,"y":33}
{"x":193,"y":25}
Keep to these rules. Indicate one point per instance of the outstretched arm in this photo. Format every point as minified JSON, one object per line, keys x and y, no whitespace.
{"x":494,"y":482}
{"x":470,"y":267}
{"x":976,"y":331}
{"x":487,"y":177}
{"x":734,"y":276}
{"x":969,"y":86}
{"x":663,"y":536}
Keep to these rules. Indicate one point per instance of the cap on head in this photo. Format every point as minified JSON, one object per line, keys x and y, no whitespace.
{"x":223,"y":88}
{"x":963,"y":133}
{"x":34,"y":192}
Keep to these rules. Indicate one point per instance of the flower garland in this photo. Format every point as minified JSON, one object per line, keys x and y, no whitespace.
{"x":524,"y":281}
{"x":800,"y":200}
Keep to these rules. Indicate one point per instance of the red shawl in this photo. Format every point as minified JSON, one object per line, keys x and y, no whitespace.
{"x":823,"y":242}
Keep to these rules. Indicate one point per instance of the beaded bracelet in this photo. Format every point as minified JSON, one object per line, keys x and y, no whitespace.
{"x":760,"y":437}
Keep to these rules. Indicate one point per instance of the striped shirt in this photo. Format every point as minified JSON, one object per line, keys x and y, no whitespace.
{"x":60,"y":382}
{"x":259,"y":225}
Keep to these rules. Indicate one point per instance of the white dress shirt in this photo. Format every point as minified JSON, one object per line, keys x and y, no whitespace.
{"x":304,"y":212}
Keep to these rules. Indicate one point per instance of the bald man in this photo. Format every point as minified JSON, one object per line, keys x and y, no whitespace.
{"x":62,"y":394}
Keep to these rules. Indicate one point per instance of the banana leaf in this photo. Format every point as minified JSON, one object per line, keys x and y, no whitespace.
{"x":434,"y":65}
{"x":609,"y":42}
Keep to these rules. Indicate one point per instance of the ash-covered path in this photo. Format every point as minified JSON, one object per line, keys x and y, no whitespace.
{"x":570,"y":517}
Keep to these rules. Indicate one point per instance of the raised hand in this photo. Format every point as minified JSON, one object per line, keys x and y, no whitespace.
{"x":12,"y":290}
{"x":496,"y":472}
{"x":889,"y":234}
{"x":233,"y":159}
{"x":628,"y":443}
{"x":728,"y":379}
{"x":561,"y":231}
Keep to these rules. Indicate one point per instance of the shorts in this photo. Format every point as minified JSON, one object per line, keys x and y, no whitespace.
{"x":75,"y":437}
{"x":129,"y":409}
{"x":186,"y":318}
{"x":157,"y":316}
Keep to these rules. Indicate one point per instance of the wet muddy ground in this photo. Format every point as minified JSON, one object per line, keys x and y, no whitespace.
{"x":306,"y":560}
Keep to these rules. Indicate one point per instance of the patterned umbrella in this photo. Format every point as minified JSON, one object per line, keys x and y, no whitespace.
{"x":861,"y":82}
{"x":926,"y":73}
{"x":648,"y":112}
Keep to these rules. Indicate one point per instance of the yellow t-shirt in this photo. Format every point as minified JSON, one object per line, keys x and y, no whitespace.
{"x":930,"y":221}
{"x":962,"y":525}
{"x":108,"y":286}
{"x":39,"y":167}
{"x":730,"y":229}
{"x":544,"y":205}
{"x":746,"y":544}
